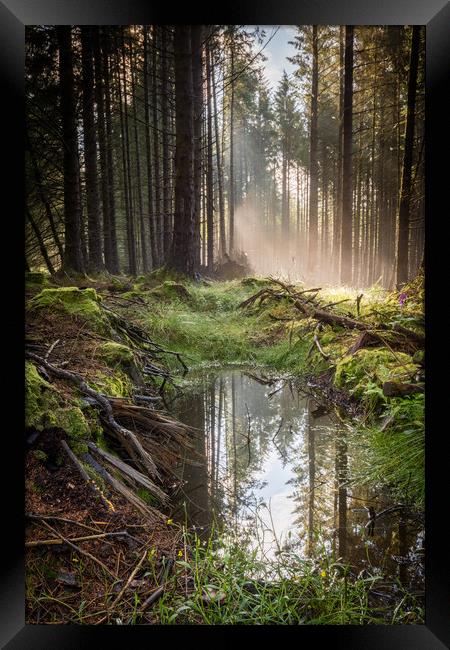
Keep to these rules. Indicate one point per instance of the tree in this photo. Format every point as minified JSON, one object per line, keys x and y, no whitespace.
{"x":73,"y":260}
{"x":313,"y":164}
{"x":90,"y":153}
{"x":183,"y":248}
{"x":405,"y":191}
{"x":347,"y":175}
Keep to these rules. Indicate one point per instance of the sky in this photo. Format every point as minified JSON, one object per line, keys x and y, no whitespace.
{"x":277,"y":51}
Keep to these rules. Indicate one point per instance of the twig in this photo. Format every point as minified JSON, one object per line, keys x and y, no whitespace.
{"x":59,"y":540}
{"x":319,"y":347}
{"x":130,"y":578}
{"x":51,"y":348}
{"x":159,"y":591}
{"x":30,"y":515}
{"x":79,"y":550}
{"x":86,"y":476}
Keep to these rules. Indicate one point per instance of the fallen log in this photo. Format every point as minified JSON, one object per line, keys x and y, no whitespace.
{"x":351,"y":323}
{"x":397,"y":389}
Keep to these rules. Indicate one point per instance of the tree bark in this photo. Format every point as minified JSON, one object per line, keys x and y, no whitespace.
{"x":183,"y":248}
{"x":313,"y":163}
{"x":197,"y":80}
{"x":95,"y":259}
{"x":347,"y":179}
{"x":73,"y":260}
{"x":209,"y":168}
{"x":406,"y":186}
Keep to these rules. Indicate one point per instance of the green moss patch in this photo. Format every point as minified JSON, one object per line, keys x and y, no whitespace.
{"x":172,"y":291}
{"x":80,"y":303}
{"x":41,"y":399}
{"x":117,"y":384}
{"x":367,"y":367}
{"x":115,"y":353}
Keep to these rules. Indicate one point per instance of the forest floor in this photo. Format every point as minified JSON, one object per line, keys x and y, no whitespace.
{"x":101,"y":545}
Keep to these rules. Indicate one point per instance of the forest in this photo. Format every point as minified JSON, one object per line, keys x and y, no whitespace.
{"x":224,"y":285}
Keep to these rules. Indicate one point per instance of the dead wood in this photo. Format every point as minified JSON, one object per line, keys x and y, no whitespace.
{"x":396,"y":389}
{"x":129,"y":472}
{"x":125,"y":436}
{"x":150,"y":513}
{"x":85,"y":476}
{"x":78,"y":549}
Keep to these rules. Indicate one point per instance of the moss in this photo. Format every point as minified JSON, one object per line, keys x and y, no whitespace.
{"x":366,"y":368}
{"x":40,"y":455}
{"x":41,"y":399}
{"x":113,"y":385}
{"x":81,"y":303}
{"x":148,"y":498}
{"x":172,"y":291}
{"x":255,"y":282}
{"x":37,"y":278}
{"x":46,"y":409}
{"x":115,"y":353}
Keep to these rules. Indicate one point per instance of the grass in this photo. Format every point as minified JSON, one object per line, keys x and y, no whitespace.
{"x":216,"y":585}
{"x":396,"y":452}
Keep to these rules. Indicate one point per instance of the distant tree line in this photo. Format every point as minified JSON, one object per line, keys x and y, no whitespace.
{"x":165,"y":145}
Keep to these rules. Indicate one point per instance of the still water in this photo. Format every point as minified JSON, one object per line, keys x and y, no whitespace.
{"x":276,"y":468}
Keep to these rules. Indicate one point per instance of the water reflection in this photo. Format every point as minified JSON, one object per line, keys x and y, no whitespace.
{"x":276,"y":468}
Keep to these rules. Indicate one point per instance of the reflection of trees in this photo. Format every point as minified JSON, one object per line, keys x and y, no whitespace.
{"x":316,"y":452}
{"x":341,"y":480}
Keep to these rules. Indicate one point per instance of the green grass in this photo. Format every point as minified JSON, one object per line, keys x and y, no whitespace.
{"x":214,"y":586}
{"x":396,"y":453}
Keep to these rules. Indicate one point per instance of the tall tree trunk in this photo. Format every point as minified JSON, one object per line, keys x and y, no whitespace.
{"x":183,"y":251}
{"x":231,"y":198}
{"x":197,"y":80}
{"x":405,"y":192}
{"x":347,"y":180}
{"x":95,"y":260}
{"x":148,"y":155}
{"x":222,"y":236}
{"x":114,"y":259}
{"x":101,"y":133}
{"x":143,"y":236}
{"x":167,"y":216}
{"x":209,"y":167}
{"x":73,"y":260}
{"x":338,"y":209}
{"x":313,"y":166}
{"x":156,"y":156}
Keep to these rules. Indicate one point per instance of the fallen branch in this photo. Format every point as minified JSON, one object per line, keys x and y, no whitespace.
{"x":60,"y":540}
{"x":131,"y":497}
{"x":79,"y":550}
{"x":130,"y":472}
{"x":125,"y":435}
{"x":319,"y":347}
{"x":85,"y":476}
{"x":396,"y":389}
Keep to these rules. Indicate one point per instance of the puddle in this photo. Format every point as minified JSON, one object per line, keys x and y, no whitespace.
{"x":274,"y":467}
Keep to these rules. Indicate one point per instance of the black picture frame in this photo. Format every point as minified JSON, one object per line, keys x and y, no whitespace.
{"x":14,"y":15}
